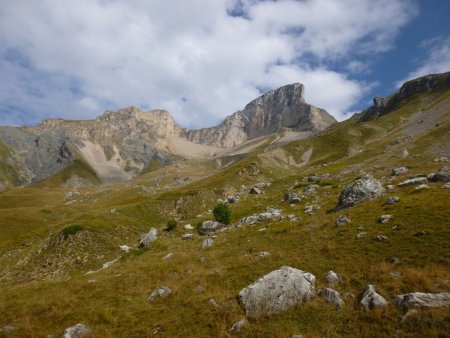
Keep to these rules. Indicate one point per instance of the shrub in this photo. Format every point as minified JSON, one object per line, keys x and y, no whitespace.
{"x":222,"y":213}
{"x":71,"y":230}
{"x":171,"y":225}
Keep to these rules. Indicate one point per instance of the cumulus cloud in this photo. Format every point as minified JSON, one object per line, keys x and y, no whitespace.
{"x":201,"y":60}
{"x":437,"y":59}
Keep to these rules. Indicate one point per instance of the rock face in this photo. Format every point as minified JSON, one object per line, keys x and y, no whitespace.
{"x":277,"y":292}
{"x":420,"y":299}
{"x":77,"y":331}
{"x":119,"y":145}
{"x":370,"y":299}
{"x":284,"y":107}
{"x":383,"y":105}
{"x":363,"y":189}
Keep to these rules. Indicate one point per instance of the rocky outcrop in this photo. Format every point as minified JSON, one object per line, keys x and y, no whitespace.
{"x":420,"y":299}
{"x":383,"y":105}
{"x":277,"y":291}
{"x":281,"y":108}
{"x":363,"y":189}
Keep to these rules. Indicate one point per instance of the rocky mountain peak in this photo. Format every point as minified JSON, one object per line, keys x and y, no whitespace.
{"x":292,"y":94}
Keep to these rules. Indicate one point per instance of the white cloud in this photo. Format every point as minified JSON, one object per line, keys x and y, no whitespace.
{"x":437,"y":59}
{"x":75,"y":59}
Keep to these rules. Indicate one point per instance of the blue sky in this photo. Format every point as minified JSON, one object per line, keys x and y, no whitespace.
{"x":203,"y":60}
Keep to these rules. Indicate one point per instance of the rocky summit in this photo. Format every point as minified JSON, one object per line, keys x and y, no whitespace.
{"x":278,"y":222}
{"x":119,"y":145}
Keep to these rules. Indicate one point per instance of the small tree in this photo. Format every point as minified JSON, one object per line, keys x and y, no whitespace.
{"x":171,"y":225}
{"x":222,"y":213}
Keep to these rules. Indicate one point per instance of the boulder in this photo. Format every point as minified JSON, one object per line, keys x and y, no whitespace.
{"x":420,"y":299}
{"x":399,"y":171}
{"x":332,"y":297}
{"x":207,"y":243}
{"x":342,"y":220}
{"x":370,"y":299}
{"x":413,"y":181}
{"x":160,"y":292}
{"x":442,"y":175}
{"x":209,"y":227}
{"x":148,"y":238}
{"x":291,"y":198}
{"x":363,"y":189}
{"x":277,"y":291}
{"x":332,"y":277}
{"x":77,"y":331}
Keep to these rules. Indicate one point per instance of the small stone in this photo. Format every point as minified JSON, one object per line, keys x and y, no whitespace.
{"x":255,"y":191}
{"x":342,"y":220}
{"x":384,"y":218}
{"x":264,"y":254}
{"x":395,"y":274}
{"x":360,"y":228}
{"x":420,"y":233}
{"x":446,"y":186}
{"x":422,"y":187}
{"x":209,"y":227}
{"x":291,"y":198}
{"x":238,"y":325}
{"x":370,"y":299}
{"x":168,"y":256}
{"x":361,"y":234}
{"x":199,"y":289}
{"x":113,"y":211}
{"x":399,"y":171}
{"x":213,"y":303}
{"x":332,"y":277}
{"x":393,"y":260}
{"x":125,"y":248}
{"x":391,"y":187}
{"x":380,"y":238}
{"x":148,"y":238}
{"x":160,"y":292}
{"x":7,"y":329}
{"x":187,"y":236}
{"x":188,"y":227}
{"x":420,"y":299}
{"x":404,"y":153}
{"x":207,"y":243}
{"x":262,"y":229}
{"x":392,"y":200}
{"x":77,"y":331}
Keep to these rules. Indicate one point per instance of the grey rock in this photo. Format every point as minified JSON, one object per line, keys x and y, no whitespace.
{"x":420,"y":233}
{"x":313,"y":178}
{"x":363,"y":189}
{"x":446,"y":186}
{"x":297,"y":336}
{"x":404,"y":153}
{"x":168,"y":256}
{"x":380,"y":238}
{"x":209,"y":227}
{"x":187,"y":236}
{"x":199,"y":289}
{"x":391,"y":187}
{"x":7,"y":329}
{"x":370,"y":299}
{"x":264,"y":254}
{"x":332,"y":297}
{"x":207,"y":243}
{"x":441,"y":159}
{"x":442,"y":175}
{"x":332,"y":277}
{"x":277,"y":291}
{"x":232,"y":199}
{"x":255,"y":191}
{"x":310,"y":208}
{"x":342,"y":220}
{"x":125,"y":248}
{"x":237,"y":327}
{"x":422,"y":187}
{"x":188,"y":227}
{"x":392,"y":199}
{"x":420,"y":299}
{"x":384,"y":218}
{"x":148,"y":238}
{"x":399,"y":171}
{"x":362,"y":234}
{"x":291,"y":198}
{"x":213,"y":303}
{"x":160,"y":292}
{"x":270,"y":214}
{"x":413,"y":181}
{"x":77,"y":331}
{"x":393,"y":260}
{"x":311,"y":190}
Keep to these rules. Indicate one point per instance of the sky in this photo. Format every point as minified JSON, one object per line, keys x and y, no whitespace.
{"x":203,"y":60}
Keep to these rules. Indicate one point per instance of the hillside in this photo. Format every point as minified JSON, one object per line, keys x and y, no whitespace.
{"x":56,"y":238}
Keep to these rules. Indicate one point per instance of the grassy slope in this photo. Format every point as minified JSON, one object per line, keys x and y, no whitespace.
{"x":115,"y":304}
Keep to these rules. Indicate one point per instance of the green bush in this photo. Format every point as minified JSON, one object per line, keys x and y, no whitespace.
{"x":71,"y":230}
{"x":222,"y":213}
{"x":171,"y":225}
